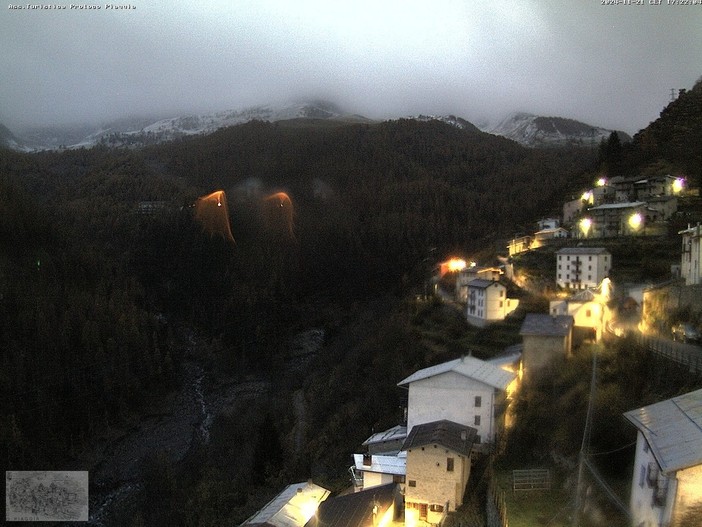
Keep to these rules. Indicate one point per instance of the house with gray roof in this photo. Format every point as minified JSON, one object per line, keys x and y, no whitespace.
{"x":368,"y":508}
{"x":438,"y":469}
{"x":467,"y":391}
{"x":545,"y":340}
{"x":666,"y":485}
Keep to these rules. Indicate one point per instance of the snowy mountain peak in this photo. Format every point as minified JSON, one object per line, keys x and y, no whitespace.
{"x":458,"y":122}
{"x":536,"y":131}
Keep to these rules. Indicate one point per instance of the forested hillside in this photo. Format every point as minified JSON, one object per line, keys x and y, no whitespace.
{"x":94,"y":295}
{"x":670,"y":144}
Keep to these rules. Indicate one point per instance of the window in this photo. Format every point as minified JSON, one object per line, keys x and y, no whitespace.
{"x":478,"y":401}
{"x":367,"y":460}
{"x":501,"y":303}
{"x":436,"y":508}
{"x":449,"y":464}
{"x":397,"y":478}
{"x":642,"y":476}
{"x":476,"y":420}
{"x":413,"y":483}
{"x":588,"y":313}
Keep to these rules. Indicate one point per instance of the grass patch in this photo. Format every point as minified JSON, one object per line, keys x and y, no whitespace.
{"x":534,"y":508}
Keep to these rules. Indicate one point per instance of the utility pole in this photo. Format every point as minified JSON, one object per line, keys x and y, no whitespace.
{"x":585,"y":445}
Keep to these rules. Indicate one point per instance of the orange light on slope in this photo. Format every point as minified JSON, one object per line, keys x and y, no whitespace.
{"x":279,"y":212}
{"x":212,"y":214}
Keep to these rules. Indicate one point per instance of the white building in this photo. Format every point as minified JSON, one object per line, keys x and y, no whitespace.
{"x":548,"y":223}
{"x":467,"y":391}
{"x":487,"y":302}
{"x":691,"y":255}
{"x":666,"y":485}
{"x":384,"y":462}
{"x":582,"y":267}
{"x":588,"y":310}
{"x":469,"y":274}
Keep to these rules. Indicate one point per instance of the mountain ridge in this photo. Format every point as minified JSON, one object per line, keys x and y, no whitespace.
{"x":525,"y":128}
{"x":539,"y":131}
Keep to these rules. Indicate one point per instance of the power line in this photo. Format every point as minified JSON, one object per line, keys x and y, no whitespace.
{"x":612,"y":451}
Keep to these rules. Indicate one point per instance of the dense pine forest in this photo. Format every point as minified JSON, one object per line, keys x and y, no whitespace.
{"x":99,"y":301}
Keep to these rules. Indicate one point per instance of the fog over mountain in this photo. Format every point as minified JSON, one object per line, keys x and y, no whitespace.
{"x":610,"y":65}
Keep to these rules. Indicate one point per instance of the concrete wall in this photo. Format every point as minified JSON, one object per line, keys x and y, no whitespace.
{"x":452,"y":396}
{"x":688,"y":498}
{"x":541,"y":352}
{"x":433,"y":483}
{"x":640,"y":503}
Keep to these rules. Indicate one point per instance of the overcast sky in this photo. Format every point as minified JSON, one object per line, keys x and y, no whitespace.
{"x":607,"y":65}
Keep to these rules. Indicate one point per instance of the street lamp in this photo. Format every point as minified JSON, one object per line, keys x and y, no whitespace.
{"x":585,"y":225}
{"x":635,"y":221}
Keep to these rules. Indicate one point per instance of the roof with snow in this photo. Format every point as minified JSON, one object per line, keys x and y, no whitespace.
{"x":450,"y":435}
{"x":290,"y":508}
{"x":536,"y":324}
{"x":673,"y":430}
{"x":469,"y":367}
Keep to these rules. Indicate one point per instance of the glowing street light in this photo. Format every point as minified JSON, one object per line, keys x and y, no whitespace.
{"x":588,"y":197}
{"x":456,"y":264}
{"x":678,"y":185}
{"x":635,"y":221}
{"x":585,"y":225}
{"x":601,"y":182}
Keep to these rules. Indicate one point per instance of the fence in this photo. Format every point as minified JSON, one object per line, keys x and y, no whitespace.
{"x":496,"y":508}
{"x":689,"y":356}
{"x":532,"y":479}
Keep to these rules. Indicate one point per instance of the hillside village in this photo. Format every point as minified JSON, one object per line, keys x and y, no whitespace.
{"x":460,"y":412}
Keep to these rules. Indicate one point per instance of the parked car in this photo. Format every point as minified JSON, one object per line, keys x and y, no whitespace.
{"x":686,"y":333}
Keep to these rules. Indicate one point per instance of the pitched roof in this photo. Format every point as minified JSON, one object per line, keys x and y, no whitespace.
{"x":469,"y":367}
{"x":630,"y":205}
{"x":290,"y":508}
{"x":537,"y":324}
{"x":481,"y":283}
{"x":450,"y":435}
{"x":583,"y":250}
{"x":583,"y":296}
{"x":395,"y":433}
{"x":354,"y":510}
{"x":673,"y":430}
